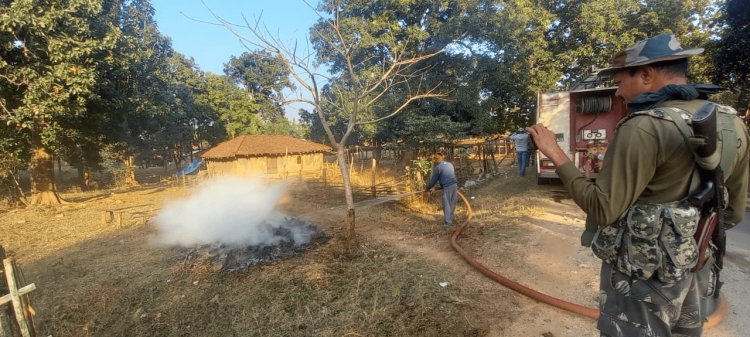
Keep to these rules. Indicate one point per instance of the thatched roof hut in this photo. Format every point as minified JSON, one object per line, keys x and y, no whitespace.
{"x":263,"y":146}
{"x":265,"y":154}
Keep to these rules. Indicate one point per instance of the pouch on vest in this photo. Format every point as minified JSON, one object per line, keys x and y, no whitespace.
{"x":640,"y":255}
{"x":651,"y":239}
{"x":606,"y":242}
{"x":677,"y":239}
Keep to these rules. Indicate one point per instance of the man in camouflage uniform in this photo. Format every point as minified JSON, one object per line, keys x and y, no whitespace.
{"x":648,"y":164}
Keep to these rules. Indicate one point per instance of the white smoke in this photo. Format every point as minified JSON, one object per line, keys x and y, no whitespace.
{"x":228,"y":210}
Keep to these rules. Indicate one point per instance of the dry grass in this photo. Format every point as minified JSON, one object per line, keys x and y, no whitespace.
{"x":380,"y":293}
{"x":510,"y":207}
{"x":103,"y":279}
{"x":362,"y":174}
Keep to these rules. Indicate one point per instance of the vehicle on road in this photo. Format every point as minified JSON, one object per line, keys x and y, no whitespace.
{"x":584,"y":120}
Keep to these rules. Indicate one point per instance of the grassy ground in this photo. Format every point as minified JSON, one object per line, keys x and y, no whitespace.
{"x":98,"y":278}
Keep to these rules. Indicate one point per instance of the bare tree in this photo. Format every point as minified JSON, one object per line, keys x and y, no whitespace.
{"x":351,"y":92}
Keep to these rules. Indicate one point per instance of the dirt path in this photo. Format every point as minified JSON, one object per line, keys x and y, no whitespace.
{"x":513,"y":239}
{"x":537,"y":246}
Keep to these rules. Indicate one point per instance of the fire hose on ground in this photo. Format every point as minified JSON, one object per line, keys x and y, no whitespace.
{"x":713,"y":319}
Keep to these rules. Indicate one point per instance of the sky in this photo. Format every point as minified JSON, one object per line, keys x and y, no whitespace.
{"x":211,"y":46}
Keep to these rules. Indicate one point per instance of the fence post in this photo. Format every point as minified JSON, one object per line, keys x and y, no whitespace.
{"x":325,"y":181}
{"x":17,"y":301}
{"x":374,"y":173}
{"x":408,"y":179}
{"x":5,"y":315}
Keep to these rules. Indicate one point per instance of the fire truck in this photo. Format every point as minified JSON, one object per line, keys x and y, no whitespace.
{"x":584,"y":121}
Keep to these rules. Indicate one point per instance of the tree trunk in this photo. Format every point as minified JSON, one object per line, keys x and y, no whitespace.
{"x":59,"y":167}
{"x":130,"y":175}
{"x":88,"y":179}
{"x":351,"y":237}
{"x":42,"y":171}
{"x":377,"y":153}
{"x":494,"y":161}
{"x":744,"y":89}
{"x":81,"y":174}
{"x":15,"y":194}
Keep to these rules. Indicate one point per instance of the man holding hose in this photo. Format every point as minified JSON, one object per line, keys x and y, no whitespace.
{"x":444,"y":173}
{"x":640,"y":218}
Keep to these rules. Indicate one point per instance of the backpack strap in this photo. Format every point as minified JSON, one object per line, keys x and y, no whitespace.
{"x":728,"y":136}
{"x":726,"y":132}
{"x":680,"y":120}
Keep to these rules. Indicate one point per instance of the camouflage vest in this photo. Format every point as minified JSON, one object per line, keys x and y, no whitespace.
{"x":651,"y":239}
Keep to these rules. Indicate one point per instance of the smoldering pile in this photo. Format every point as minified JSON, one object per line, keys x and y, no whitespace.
{"x":290,"y":237}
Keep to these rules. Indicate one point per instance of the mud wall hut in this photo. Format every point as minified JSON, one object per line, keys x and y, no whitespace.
{"x":275,"y":156}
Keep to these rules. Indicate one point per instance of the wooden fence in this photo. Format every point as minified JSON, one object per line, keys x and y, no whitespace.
{"x":16,"y":314}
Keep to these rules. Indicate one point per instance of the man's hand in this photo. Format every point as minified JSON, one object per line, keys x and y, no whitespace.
{"x":546,"y":141}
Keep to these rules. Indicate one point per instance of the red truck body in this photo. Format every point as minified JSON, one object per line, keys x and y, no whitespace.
{"x":584,"y":122}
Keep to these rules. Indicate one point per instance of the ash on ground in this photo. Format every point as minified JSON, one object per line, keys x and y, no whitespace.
{"x":291,"y":238}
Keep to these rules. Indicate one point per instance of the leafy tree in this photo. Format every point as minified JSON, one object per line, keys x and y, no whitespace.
{"x":312,"y":123}
{"x":428,"y":131}
{"x":179,"y":118}
{"x":531,"y":46}
{"x":14,"y":157}
{"x":343,"y":40}
{"x":50,"y":55}
{"x":732,"y":56}
{"x":419,"y":27}
{"x":130,"y":92}
{"x":264,"y":76}
{"x":232,"y":106}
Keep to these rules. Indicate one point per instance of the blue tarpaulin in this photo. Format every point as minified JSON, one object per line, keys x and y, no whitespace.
{"x":191,"y":168}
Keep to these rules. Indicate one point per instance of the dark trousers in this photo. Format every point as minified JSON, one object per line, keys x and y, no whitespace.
{"x":633,"y":307}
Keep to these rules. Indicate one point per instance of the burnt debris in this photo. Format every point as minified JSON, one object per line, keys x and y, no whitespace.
{"x":291,"y":237}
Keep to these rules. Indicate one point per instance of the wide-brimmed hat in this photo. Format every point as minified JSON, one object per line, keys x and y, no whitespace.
{"x":656,"y":49}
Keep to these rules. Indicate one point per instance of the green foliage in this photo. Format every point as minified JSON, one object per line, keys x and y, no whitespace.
{"x":264,"y":76}
{"x":115,"y":170}
{"x":312,"y":123}
{"x":373,"y":38}
{"x":426,"y":132}
{"x":231,"y":105}
{"x":14,"y":156}
{"x":79,"y":76}
{"x":50,"y":56}
{"x":731,"y":53}
{"x":421,"y":167}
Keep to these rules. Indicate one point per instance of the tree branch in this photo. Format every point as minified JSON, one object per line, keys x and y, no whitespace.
{"x":432,"y":93}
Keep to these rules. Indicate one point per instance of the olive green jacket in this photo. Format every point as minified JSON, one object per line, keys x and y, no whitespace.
{"x":648,"y":162}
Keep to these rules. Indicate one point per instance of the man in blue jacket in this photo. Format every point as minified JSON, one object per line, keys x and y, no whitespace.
{"x":444,"y":173}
